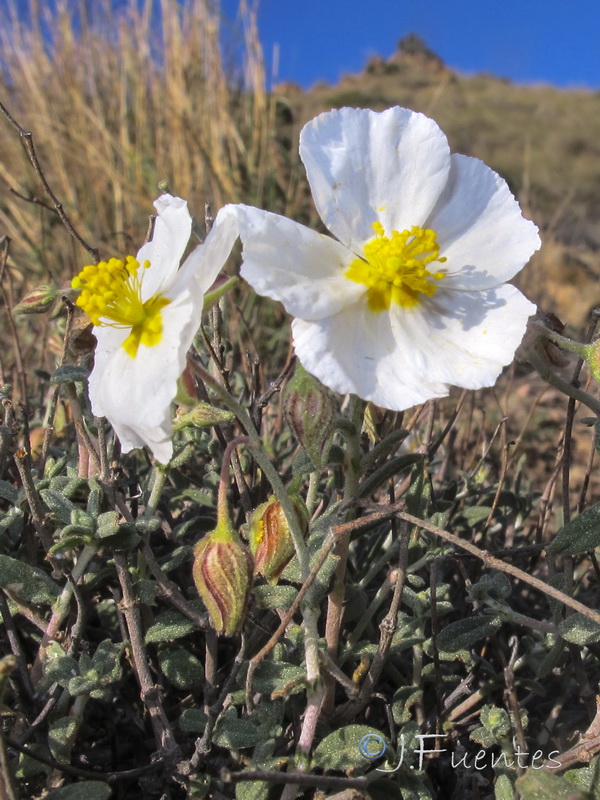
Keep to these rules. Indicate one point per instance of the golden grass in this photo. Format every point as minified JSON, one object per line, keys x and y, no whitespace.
{"x":119,"y":105}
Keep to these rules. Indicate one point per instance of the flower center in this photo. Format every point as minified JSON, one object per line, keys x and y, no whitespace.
{"x":395,"y":268}
{"x":111,"y":294}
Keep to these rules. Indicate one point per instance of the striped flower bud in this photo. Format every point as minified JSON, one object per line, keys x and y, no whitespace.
{"x":222,"y":573}
{"x":37,"y":301}
{"x":270,"y":539}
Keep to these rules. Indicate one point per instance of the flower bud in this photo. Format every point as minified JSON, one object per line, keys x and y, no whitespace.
{"x":37,"y":301}
{"x":309,"y":410}
{"x":222,"y":573}
{"x":202,"y":415}
{"x":270,"y":538}
{"x":591,"y":355}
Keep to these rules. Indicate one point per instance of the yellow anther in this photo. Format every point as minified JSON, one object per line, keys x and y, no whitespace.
{"x":395,"y":268}
{"x":111,"y":294}
{"x":260,"y":531}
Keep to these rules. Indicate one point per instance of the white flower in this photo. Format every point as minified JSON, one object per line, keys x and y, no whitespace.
{"x":146,"y":311}
{"x":409,"y":297}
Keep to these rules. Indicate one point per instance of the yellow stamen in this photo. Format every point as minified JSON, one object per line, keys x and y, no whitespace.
{"x":394,"y":268}
{"x":111,"y":294}
{"x":260,"y":532}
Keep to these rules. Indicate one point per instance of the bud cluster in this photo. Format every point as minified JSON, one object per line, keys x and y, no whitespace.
{"x":224,"y":567}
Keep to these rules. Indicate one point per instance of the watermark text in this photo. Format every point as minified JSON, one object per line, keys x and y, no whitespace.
{"x":373,"y":746}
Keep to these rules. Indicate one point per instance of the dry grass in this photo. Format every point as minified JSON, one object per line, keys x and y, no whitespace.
{"x":121,"y":105}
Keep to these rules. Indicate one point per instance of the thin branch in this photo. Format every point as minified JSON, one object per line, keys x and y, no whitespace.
{"x":33,"y":200}
{"x":169,"y":591}
{"x":204,"y":744}
{"x":109,"y":777}
{"x":433,"y":448}
{"x":388,"y":628}
{"x":276,"y":385}
{"x":8,"y":431}
{"x":62,"y":607}
{"x":53,"y":696}
{"x":27,"y":142}
{"x":87,"y":448}
{"x":4,"y":248}
{"x":495,"y":563}
{"x":15,"y":644}
{"x":150,"y":693}
{"x":36,"y":507}
{"x":584,"y":750}
{"x":501,"y":479}
{"x":314,"y":781}
{"x":50,"y":414}
{"x":7,"y":297}
{"x":510,"y":692}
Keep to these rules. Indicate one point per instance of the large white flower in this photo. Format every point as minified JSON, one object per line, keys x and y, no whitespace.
{"x":146,"y":311}
{"x":409,"y":297}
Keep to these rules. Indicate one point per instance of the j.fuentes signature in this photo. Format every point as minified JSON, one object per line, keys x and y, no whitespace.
{"x":373,"y":746}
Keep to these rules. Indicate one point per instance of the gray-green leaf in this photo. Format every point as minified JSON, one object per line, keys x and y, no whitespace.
{"x":272,"y":676}
{"x":169,"y":625}
{"x":464,"y":633}
{"x":29,"y":583}
{"x":541,"y":785}
{"x":342,"y":749}
{"x":578,"y":535}
{"x":181,"y":668}
{"x":579,"y":629}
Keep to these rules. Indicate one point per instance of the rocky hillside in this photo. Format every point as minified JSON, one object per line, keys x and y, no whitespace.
{"x":544,"y":141}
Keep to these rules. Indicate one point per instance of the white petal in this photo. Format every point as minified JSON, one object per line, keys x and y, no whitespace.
{"x":402,"y":358}
{"x":356,"y":351}
{"x":204,"y":263}
{"x":480,"y":227}
{"x":135,"y":394}
{"x":463,"y":338}
{"x":302,"y":269}
{"x":364,"y":166}
{"x":167,"y":201}
{"x":172,"y":229}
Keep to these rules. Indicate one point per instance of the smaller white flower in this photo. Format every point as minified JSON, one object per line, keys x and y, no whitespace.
{"x":146,"y":311}
{"x":410,"y":296}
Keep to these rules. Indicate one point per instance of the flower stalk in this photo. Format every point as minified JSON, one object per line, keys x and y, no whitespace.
{"x":335,"y":603}
{"x":255,"y":444}
{"x":223,"y":567}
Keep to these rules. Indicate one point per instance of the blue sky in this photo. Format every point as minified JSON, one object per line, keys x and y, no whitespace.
{"x":550,"y":41}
